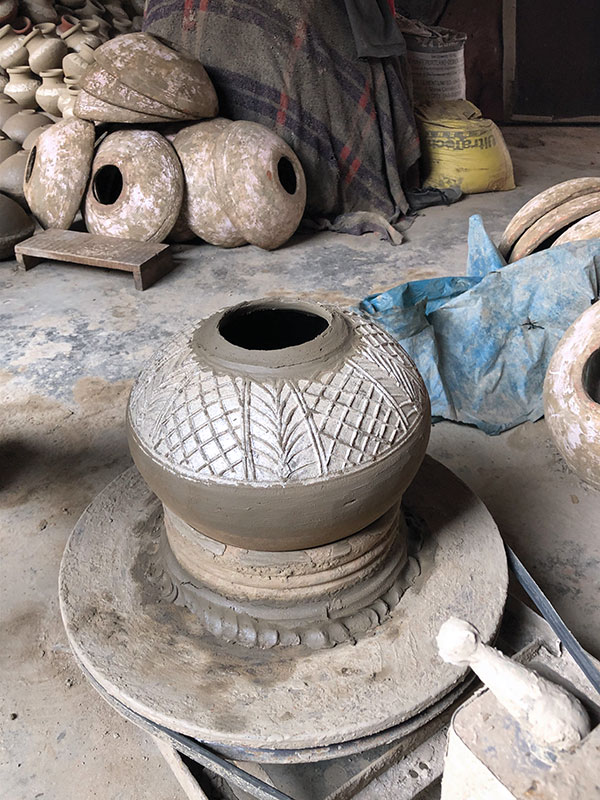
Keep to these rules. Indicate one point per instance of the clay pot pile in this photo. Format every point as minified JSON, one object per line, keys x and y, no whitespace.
{"x":566,"y":212}
{"x":229,"y":183}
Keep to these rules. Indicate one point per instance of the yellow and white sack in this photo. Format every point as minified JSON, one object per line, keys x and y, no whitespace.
{"x":461,"y":148}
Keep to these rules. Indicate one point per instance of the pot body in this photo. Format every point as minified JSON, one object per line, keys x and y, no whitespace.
{"x":46,"y":50}
{"x":39,"y":10}
{"x":20,"y":125}
{"x":12,"y":51}
{"x":47,"y":96}
{"x":22,"y":86}
{"x":8,"y":10}
{"x":7,"y":148}
{"x":74,"y":64}
{"x":285,"y":447}
{"x":572,"y":396}
{"x":136,"y":186}
{"x":66,"y":102}
{"x":12,"y":173}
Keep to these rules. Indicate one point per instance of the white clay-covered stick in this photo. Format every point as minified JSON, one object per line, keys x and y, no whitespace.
{"x":551,"y":715}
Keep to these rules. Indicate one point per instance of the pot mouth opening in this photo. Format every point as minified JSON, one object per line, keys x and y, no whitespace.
{"x":30,"y":163}
{"x":107,"y":184}
{"x":591,"y":376}
{"x":287,"y":175}
{"x":270,"y":328}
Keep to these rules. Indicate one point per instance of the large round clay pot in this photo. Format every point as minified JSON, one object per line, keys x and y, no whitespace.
{"x":8,"y":10}
{"x":19,"y":126}
{"x":135,"y":188}
{"x":57,"y":172}
{"x":7,"y":148}
{"x":12,"y":173}
{"x":8,"y":107}
{"x":15,"y":226}
{"x":52,"y":87}
{"x":12,"y":51}
{"x":572,"y":396}
{"x":151,"y":68}
{"x":201,"y":210}
{"x":279,"y":425}
{"x":32,"y":138}
{"x":46,"y":49}
{"x":22,"y":86}
{"x":260,"y":183}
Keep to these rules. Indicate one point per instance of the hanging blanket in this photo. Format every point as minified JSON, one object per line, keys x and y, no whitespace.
{"x":292,"y":65}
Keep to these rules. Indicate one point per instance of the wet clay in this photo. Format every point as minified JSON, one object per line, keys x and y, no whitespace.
{"x":279,"y":424}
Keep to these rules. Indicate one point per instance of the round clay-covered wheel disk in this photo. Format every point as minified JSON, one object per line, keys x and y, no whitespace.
{"x":136,"y":187}
{"x":260,"y":182}
{"x":57,"y":172}
{"x":156,"y":657}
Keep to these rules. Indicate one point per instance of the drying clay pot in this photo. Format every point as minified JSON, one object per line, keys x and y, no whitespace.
{"x":12,"y":51}
{"x":46,"y":49}
{"x":101,"y":84}
{"x":8,"y":10}
{"x":57,"y":172}
{"x":33,"y":136}
{"x":145,"y":65}
{"x":67,"y":21}
{"x":8,"y":107}
{"x":260,"y":183}
{"x":75,"y":36}
{"x":12,"y":173}
{"x":75,"y":64}
{"x":89,"y":107}
{"x":66,"y":102}
{"x":279,"y":425}
{"x":15,"y":226}
{"x":52,"y":87}
{"x":201,"y":210}
{"x":3,"y":80}
{"x":88,"y":8}
{"x":19,"y":126}
{"x":22,"y":86}
{"x":7,"y":148}
{"x":136,"y":187}
{"x":22,"y":26}
{"x":572,"y":396}
{"x":39,"y":10}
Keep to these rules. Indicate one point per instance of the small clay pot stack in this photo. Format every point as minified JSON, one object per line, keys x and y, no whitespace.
{"x":229,"y":183}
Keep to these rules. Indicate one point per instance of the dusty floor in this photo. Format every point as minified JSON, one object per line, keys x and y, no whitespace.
{"x":74,"y":339}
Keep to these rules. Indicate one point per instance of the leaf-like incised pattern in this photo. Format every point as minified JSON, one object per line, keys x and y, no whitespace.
{"x":220,"y":426}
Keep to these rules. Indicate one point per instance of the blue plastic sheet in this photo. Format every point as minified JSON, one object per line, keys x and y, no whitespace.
{"x":483,"y":342}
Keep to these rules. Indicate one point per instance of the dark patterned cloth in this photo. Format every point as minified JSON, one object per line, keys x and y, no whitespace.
{"x":292,"y":65}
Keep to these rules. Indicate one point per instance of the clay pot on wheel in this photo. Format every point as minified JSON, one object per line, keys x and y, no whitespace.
{"x":313,"y":396}
{"x":47,"y":96}
{"x":12,"y":51}
{"x":572,"y":396}
{"x":46,"y":49}
{"x":135,"y":188}
{"x":19,"y":126}
{"x":15,"y":226}
{"x":22,"y":86}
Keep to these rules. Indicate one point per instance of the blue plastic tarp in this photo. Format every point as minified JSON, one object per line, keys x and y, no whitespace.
{"x":483,"y":342}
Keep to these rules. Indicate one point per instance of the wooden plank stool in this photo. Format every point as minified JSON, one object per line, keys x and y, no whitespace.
{"x":147,"y":261}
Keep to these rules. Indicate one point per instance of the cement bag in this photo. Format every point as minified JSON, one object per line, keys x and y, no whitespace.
{"x":461,"y":148}
{"x":436,"y":57}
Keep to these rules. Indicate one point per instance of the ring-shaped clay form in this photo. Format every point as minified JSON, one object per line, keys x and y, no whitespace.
{"x":15,"y":225}
{"x":92,"y":108}
{"x":136,"y":187}
{"x":151,"y":68}
{"x":57,"y":172}
{"x":572,"y":396}
{"x":586,"y":228}
{"x":201,"y":210}
{"x":541,"y":204}
{"x":279,"y":425}
{"x":260,"y":183}
{"x":554,"y":221}
{"x":104,"y":86}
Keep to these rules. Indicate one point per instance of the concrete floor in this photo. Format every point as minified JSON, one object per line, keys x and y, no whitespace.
{"x":74,"y":339}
